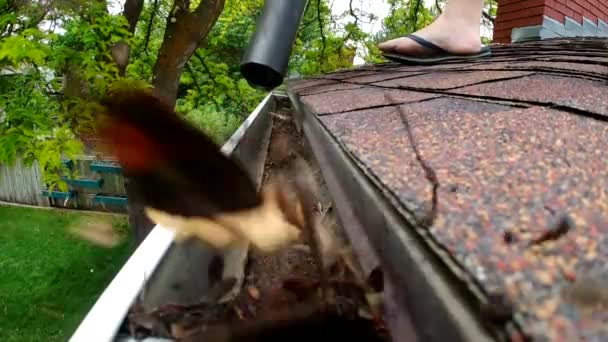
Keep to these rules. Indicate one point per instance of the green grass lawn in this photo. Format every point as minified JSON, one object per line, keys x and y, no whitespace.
{"x":48,"y":278}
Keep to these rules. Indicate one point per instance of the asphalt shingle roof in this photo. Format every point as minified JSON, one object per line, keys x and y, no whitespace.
{"x":519,"y":145}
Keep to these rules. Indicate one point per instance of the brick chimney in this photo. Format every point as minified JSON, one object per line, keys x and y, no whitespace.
{"x":523,"y":20}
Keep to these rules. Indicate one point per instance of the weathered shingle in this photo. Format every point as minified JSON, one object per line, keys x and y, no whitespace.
{"x":571,"y":92}
{"x":517,"y":141}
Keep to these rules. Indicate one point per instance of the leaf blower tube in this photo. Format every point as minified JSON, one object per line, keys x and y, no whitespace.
{"x":265,"y":63}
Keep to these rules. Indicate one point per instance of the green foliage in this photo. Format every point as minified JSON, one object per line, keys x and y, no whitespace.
{"x":32,"y":129}
{"x":86,"y":48}
{"x":215,"y":122}
{"x":212,"y":82}
{"x":405,"y":17}
{"x":147,"y":39}
{"x":319,"y":48}
{"x":491,"y":6}
{"x":48,"y":151}
{"x":43,"y":115}
{"x":124,"y":84}
{"x":37,"y":125}
{"x":217,"y":96}
{"x":24,"y":48}
{"x":6,"y":18}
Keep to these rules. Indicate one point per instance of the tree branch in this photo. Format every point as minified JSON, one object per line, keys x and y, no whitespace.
{"x":488,"y":17}
{"x":211,"y":9}
{"x":196,"y":84}
{"x":352,"y":12}
{"x":416,"y":10}
{"x":184,"y":31}
{"x":320,"y":19}
{"x":132,"y":12}
{"x":201,"y":59}
{"x":120,"y":50}
{"x":149,"y":28}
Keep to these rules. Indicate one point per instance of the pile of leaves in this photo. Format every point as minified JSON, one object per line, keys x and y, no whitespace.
{"x":298,"y":307}
{"x":311,"y":287}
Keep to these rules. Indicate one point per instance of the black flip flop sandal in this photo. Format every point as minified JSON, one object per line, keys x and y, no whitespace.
{"x":440,"y":55}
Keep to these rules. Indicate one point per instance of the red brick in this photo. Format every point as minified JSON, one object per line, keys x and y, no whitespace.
{"x":575,"y":7}
{"x":563,"y":10}
{"x":601,"y":14}
{"x":550,"y":3}
{"x":501,"y":40}
{"x":519,"y":6}
{"x":530,"y":12}
{"x":508,"y":2}
{"x":584,"y":4}
{"x":590,"y":16}
{"x":519,"y":23}
{"x":551,"y":13}
{"x":502,"y":33}
{"x":598,"y":8}
{"x":517,"y":11}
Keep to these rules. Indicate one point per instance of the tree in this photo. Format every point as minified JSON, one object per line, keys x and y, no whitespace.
{"x":61,"y":57}
{"x":185,"y":30}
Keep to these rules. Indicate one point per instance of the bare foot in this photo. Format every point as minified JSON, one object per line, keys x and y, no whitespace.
{"x":454,"y":37}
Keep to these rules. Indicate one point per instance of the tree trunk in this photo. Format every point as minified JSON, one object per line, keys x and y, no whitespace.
{"x":138,"y":221}
{"x":185,"y":30}
{"x":121,"y":50}
{"x":183,"y":34}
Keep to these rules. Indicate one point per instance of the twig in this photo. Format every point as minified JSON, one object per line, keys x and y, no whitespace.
{"x":201,"y":59}
{"x":198,"y":86}
{"x":352,"y":12}
{"x":302,"y":187}
{"x":429,"y":173}
{"x":416,"y":10}
{"x":306,"y":24}
{"x":438,"y":8}
{"x":322,"y":55}
{"x":349,"y":35}
{"x":149,"y":28}
{"x":560,"y":228}
{"x":488,"y":17}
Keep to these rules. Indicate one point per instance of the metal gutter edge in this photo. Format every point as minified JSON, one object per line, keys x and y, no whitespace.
{"x":424,"y":288}
{"x":104,"y":319}
{"x":182,"y":275}
{"x":237,"y":137}
{"x":107,"y":314}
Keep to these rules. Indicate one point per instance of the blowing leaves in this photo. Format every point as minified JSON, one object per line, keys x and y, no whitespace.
{"x":187,"y":184}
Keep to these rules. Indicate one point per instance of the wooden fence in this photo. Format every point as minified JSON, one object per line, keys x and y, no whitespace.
{"x":99,"y":185}
{"x":22,"y":184}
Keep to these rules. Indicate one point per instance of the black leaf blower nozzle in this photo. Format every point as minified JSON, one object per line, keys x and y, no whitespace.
{"x":265,"y":63}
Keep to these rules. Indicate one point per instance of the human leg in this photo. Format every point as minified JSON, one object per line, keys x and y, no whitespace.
{"x":456,"y":31}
